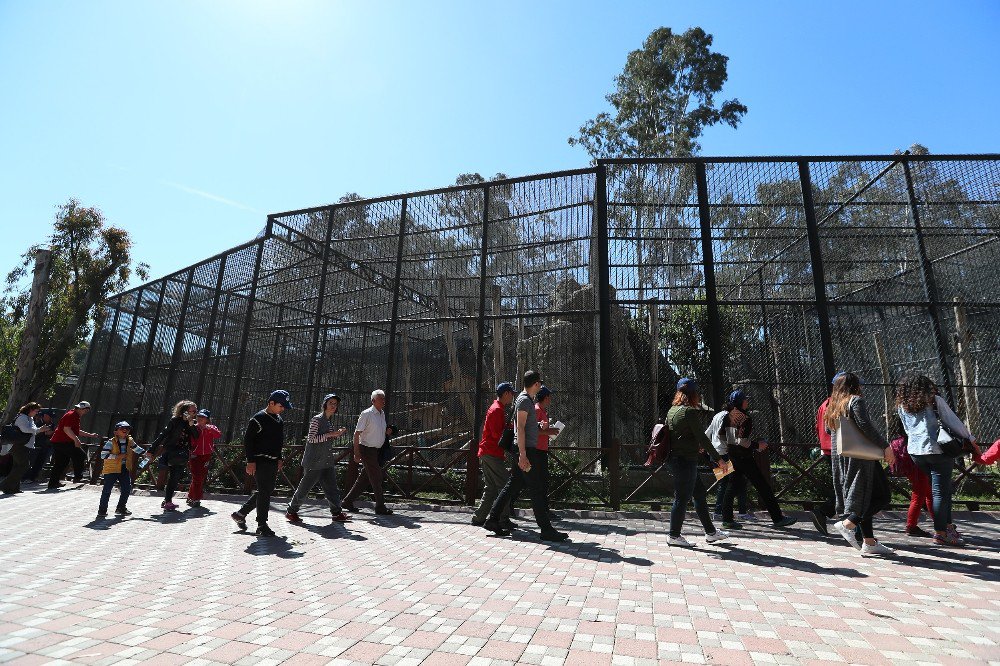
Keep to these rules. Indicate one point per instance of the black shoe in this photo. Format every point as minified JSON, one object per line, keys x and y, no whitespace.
{"x":102,"y":514}
{"x":507,"y":525}
{"x":123,"y":512}
{"x":553,"y":536}
{"x":77,"y":479}
{"x":383,"y":510}
{"x":478,"y":522}
{"x":349,"y":506}
{"x":819,"y":522}
{"x":513,"y":516}
{"x":239,"y":519}
{"x":917,"y":531}
{"x":56,"y":486}
{"x":264,"y":531}
{"x":496,"y":528}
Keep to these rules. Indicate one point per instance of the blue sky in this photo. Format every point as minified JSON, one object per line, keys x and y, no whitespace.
{"x":188,"y":122}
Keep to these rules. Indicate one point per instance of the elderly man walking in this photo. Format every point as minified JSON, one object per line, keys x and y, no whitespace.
{"x":369,"y":436}
{"x":319,"y":462}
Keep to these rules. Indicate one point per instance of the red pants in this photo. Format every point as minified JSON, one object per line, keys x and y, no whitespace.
{"x":920,"y":497}
{"x":199,"y":470}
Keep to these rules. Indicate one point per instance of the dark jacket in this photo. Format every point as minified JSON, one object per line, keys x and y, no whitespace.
{"x":687,"y":434}
{"x":174,"y":441}
{"x":744,"y":431}
{"x":264,"y":437}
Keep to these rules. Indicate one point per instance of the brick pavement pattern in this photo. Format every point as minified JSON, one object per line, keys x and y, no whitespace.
{"x":425,"y":587}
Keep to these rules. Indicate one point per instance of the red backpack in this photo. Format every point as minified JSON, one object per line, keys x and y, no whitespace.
{"x":659,"y":445}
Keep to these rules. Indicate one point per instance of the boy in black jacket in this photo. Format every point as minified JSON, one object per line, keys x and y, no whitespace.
{"x":263,"y":441}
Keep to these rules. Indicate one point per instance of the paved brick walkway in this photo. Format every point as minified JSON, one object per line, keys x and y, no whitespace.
{"x":424,"y":587}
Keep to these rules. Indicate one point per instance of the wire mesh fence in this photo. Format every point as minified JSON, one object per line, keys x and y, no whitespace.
{"x":766,"y":274}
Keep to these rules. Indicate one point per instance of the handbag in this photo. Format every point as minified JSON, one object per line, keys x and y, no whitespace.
{"x":951,"y":444}
{"x":851,"y":442}
{"x":506,"y":442}
{"x":11,"y":434}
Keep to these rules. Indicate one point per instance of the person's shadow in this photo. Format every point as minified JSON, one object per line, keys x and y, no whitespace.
{"x":332,"y":530}
{"x":953,"y":561}
{"x":589,"y":550}
{"x":735,"y":553}
{"x":277,"y":546}
{"x":104,"y":524}
{"x":168,"y":517}
{"x":395,"y":520}
{"x":198,"y":512}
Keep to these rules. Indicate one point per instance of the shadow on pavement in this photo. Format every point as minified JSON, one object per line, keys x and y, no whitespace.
{"x":395,"y":520}
{"x":951,"y":560}
{"x":332,"y":530}
{"x":277,"y":546}
{"x":732,"y":552}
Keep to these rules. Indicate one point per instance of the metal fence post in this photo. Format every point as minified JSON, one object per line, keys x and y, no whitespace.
{"x":314,"y":348}
{"x":819,"y":278}
{"x":112,"y":332}
{"x":212,"y":321}
{"x":244,"y":337}
{"x":472,"y":464}
{"x":711,"y":294}
{"x":116,"y":405}
{"x":930,"y":286}
{"x":175,"y":357}
{"x":606,"y":389}
{"x":397,"y":280}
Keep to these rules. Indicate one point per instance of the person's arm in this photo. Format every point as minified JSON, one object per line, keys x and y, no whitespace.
{"x":951,"y":420}
{"x":693,"y":425}
{"x":26,"y":425}
{"x":859,"y":414}
{"x":494,"y":425}
{"x":106,"y":450}
{"x":311,"y":436}
{"x":522,"y":452}
{"x":250,"y":444}
{"x":362,"y":425}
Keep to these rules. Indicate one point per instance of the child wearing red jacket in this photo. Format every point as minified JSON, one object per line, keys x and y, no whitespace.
{"x":990,"y":456}
{"x":201,"y":456}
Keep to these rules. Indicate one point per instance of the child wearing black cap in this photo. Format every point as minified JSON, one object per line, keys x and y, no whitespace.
{"x":263,"y":441}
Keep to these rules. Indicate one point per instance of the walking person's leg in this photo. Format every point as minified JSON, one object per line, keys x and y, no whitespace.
{"x":495,"y":476}
{"x":748,"y":467}
{"x":79,"y":455}
{"x":21,"y":462}
{"x":361,"y":483}
{"x":38,"y":460}
{"x":373,"y":471}
{"x":306,"y":484}
{"x":60,"y":459}
{"x":737,"y":485}
{"x":331,"y":490}
{"x":700,"y":495}
{"x":125,"y":482}
{"x":720,"y":495}
{"x":174,"y":475}
{"x":684,"y":473}
{"x":109,"y":484}
{"x":267,"y":475}
{"x":535,"y":481}
{"x":500,"y":511}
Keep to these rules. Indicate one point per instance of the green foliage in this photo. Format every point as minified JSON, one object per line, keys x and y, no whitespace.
{"x":663,"y":99}
{"x":90,"y":261}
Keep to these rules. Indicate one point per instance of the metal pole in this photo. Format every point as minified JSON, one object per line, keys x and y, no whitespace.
{"x":314,"y":349}
{"x":472,"y":466}
{"x":116,"y":405}
{"x":212,"y":388}
{"x":175,"y":357}
{"x":107,"y":354}
{"x":391,"y":360}
{"x":212,"y":320}
{"x":606,"y":389}
{"x":244,"y":337}
{"x":819,"y":279}
{"x":930,"y":286}
{"x":711,"y":295}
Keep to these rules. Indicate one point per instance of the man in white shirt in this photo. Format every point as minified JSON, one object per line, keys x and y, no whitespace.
{"x":369,"y":437}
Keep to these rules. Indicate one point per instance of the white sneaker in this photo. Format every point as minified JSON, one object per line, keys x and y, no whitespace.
{"x":875,"y":549}
{"x":847,"y":533}
{"x":680,"y":542}
{"x":720,"y":535}
{"x":746,"y":516}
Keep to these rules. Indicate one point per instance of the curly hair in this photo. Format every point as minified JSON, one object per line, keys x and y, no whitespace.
{"x":181,"y":407}
{"x":915,"y":393}
{"x":683,"y":399}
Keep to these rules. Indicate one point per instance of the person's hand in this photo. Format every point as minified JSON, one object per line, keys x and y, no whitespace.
{"x":976,"y":450}
{"x":357,"y":457}
{"x":544,"y":425}
{"x":890,"y":457}
{"x":762,"y":446}
{"x":523,"y":464}
{"x":251,"y":468}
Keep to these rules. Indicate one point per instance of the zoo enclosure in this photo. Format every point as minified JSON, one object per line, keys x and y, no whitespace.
{"x":762,"y":273}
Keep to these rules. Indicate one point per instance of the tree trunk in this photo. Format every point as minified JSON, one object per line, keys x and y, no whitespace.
{"x":20,"y":388}
{"x":883,"y":365}
{"x":966,"y":369}
{"x":498,"y":358}
{"x":457,"y":380}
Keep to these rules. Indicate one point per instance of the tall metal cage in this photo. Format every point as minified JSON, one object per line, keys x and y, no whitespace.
{"x":763,"y":273}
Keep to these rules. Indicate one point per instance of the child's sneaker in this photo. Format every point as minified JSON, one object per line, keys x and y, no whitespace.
{"x":948,"y":539}
{"x":953,"y":532}
{"x":239,"y":519}
{"x":847,"y":533}
{"x":720,"y":535}
{"x":169,"y":506}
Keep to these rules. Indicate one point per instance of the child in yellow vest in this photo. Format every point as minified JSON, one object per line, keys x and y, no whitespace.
{"x":115,"y":457}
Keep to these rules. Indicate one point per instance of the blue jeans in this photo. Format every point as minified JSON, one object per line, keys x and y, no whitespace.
{"x":688,"y":486}
{"x":939,"y":467}
{"x":125,"y":481}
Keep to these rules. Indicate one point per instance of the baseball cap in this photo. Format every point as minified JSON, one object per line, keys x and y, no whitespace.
{"x":83,"y":404}
{"x":687,"y":385}
{"x":123,"y":424}
{"x":737,"y":397}
{"x":330,"y":396}
{"x":504,"y":387}
{"x":543,"y":393}
{"x":281,"y":397}
{"x":205,"y":412}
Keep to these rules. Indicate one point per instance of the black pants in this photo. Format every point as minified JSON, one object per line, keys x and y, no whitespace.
{"x":370,"y":475}
{"x":266,"y":475}
{"x":38,"y":459}
{"x":688,"y":486}
{"x":174,"y":476}
{"x":62,"y":454}
{"x":536,"y":481}
{"x":880,"y":499}
{"x":747,"y":470}
{"x":21,"y":461}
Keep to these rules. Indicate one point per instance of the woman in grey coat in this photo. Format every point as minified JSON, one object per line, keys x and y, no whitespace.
{"x":319,"y":462}
{"x":862,"y":486}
